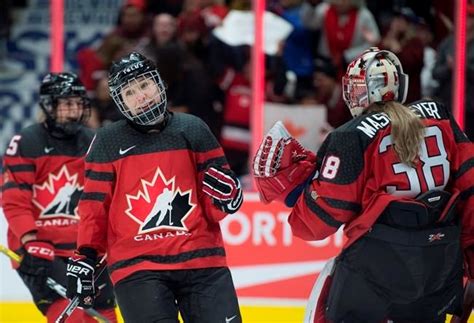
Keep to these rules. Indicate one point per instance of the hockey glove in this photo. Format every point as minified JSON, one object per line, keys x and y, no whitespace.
{"x":36,"y":264}
{"x":80,"y":279}
{"x":223,"y":186}
{"x":281,"y":164}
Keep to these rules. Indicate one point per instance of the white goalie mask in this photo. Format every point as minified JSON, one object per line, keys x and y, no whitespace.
{"x":375,"y":76}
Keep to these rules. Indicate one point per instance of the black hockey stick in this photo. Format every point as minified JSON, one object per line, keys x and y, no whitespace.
{"x":58,"y":288}
{"x":74,"y":303}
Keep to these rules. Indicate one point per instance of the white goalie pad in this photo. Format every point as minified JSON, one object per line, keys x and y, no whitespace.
{"x":315,"y":296}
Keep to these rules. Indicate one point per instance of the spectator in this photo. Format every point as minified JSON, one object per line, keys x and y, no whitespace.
{"x":328,"y":92}
{"x":443,"y":70}
{"x":402,"y":39}
{"x":297,"y":50}
{"x":428,"y":84}
{"x":130,"y":31}
{"x":163,"y":33}
{"x":347,"y":29}
{"x":235,"y":136}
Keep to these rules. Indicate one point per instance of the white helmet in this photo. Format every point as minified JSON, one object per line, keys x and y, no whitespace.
{"x":375,"y":76}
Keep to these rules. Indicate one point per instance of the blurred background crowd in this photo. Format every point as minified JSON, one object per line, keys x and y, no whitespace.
{"x":209,"y":78}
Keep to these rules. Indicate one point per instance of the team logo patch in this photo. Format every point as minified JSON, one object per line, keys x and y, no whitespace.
{"x":58,"y":196}
{"x":435,"y":237}
{"x":159,"y":204}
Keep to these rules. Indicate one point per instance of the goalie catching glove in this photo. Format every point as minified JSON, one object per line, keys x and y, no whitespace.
{"x":223,"y":186}
{"x":281,"y":164}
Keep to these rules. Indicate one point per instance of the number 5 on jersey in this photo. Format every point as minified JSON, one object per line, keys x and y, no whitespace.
{"x":13,"y":146}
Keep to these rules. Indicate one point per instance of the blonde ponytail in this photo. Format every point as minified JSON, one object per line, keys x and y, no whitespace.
{"x":407,"y":130}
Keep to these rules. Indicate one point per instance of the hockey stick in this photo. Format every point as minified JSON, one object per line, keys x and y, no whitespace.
{"x":74,"y":303}
{"x":58,"y":288}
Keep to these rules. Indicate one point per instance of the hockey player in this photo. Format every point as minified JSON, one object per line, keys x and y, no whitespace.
{"x":43,"y":179}
{"x":400,"y":180}
{"x":158,"y":185}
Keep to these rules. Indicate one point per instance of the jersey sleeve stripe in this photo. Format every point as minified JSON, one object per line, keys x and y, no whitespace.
{"x":93,"y":196}
{"x":169,"y":259}
{"x":21,"y":168}
{"x":22,"y":186}
{"x":319,"y":212}
{"x":467,"y":193}
{"x":221,"y":161}
{"x":100,"y":176}
{"x":343,"y":205}
{"x":466,"y":166}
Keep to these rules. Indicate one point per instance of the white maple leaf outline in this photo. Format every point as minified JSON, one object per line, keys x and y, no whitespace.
{"x":144,"y":194}
{"x":49,"y":186}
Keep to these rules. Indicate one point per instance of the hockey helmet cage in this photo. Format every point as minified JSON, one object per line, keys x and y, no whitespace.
{"x":62,"y":85}
{"x":136,"y":76}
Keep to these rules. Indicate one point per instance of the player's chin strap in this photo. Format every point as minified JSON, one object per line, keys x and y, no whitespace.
{"x":223,"y":186}
{"x":58,"y":288}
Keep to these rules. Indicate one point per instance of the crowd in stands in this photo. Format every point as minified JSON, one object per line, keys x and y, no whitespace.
{"x":212,"y":80}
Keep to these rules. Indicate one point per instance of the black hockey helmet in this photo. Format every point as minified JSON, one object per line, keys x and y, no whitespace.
{"x":137,"y":89}
{"x":62,"y":85}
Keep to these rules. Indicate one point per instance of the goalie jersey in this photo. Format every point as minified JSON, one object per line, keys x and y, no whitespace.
{"x":43,"y":181}
{"x":143,"y":202}
{"x":359,"y":174}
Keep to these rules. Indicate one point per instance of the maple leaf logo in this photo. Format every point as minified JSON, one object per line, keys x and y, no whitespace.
{"x":58,"y":196}
{"x":158,"y":204}
{"x":295,"y":130}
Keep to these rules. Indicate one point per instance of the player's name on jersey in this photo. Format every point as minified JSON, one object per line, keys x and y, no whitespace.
{"x":426,"y":109}
{"x":160,"y":235}
{"x":371,"y":124}
{"x":56,"y":222}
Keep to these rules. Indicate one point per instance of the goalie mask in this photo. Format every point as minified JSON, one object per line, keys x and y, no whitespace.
{"x":64,"y":101}
{"x":137,"y":89}
{"x":375,"y":76}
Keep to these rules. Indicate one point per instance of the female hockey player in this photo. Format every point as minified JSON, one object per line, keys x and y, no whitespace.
{"x":157,"y":185}
{"x":399,"y":178}
{"x":43,"y":180}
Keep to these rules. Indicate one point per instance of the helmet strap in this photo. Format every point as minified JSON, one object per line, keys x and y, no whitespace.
{"x":158,"y":127}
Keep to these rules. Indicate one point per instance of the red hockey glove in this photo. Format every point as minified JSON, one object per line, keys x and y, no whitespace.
{"x":277,"y":151}
{"x":80,"y":275}
{"x":281,"y":164}
{"x":223,"y":186}
{"x":37,"y":262}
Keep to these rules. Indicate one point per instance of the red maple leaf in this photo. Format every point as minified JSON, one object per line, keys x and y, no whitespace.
{"x":294,"y":130}
{"x":142,"y":205}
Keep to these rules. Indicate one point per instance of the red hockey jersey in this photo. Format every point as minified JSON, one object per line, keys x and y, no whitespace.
{"x":143,"y":202}
{"x":43,"y":180}
{"x":359,"y":174}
